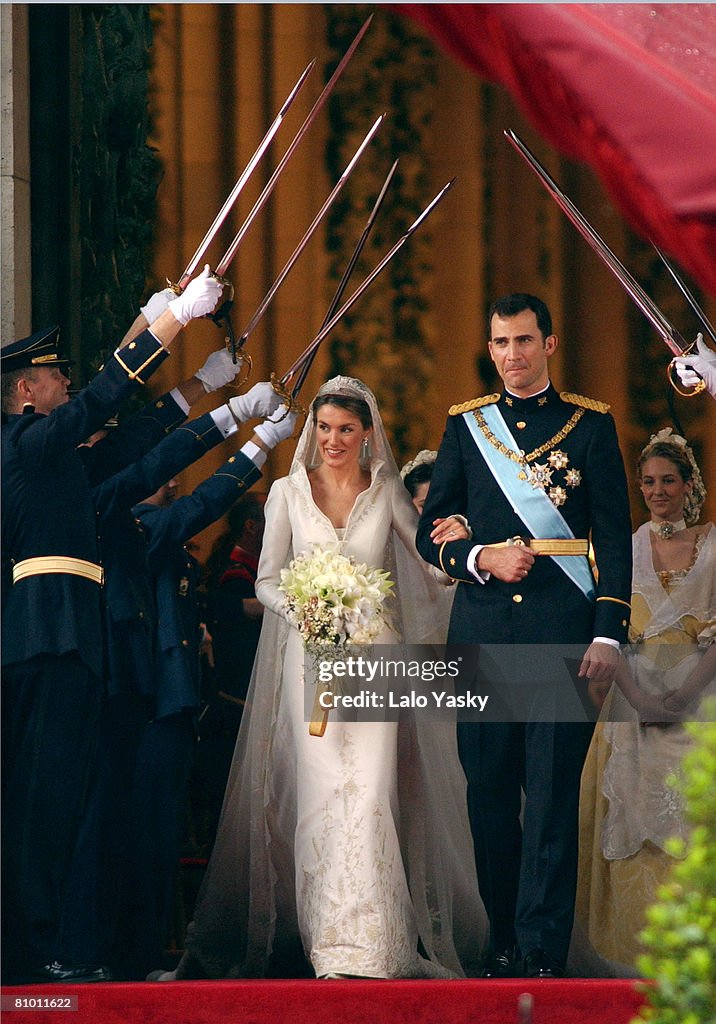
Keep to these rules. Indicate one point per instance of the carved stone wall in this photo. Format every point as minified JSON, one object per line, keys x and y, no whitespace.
{"x":93,"y":176}
{"x":118,"y":172}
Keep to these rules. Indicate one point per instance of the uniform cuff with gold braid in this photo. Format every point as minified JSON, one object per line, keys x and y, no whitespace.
{"x":129,"y":356}
{"x":616,"y":600}
{"x":451,"y":563}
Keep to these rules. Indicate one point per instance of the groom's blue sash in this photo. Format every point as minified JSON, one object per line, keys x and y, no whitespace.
{"x":531,"y":504}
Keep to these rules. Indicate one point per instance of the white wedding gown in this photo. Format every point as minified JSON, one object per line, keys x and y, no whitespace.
{"x":354,"y":909}
{"x":356,"y":842}
{"x":359,"y":840}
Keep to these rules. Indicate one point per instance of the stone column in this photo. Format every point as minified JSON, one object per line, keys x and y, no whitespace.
{"x":15,"y":313}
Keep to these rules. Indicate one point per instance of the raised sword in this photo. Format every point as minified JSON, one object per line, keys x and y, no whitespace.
{"x":263,"y":305}
{"x":280,"y":385}
{"x":669,"y":334}
{"x":335,"y":301}
{"x":313,"y":113}
{"x":243,"y":178}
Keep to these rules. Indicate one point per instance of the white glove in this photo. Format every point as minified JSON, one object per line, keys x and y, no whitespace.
{"x":157,"y":304}
{"x":219,"y":369}
{"x":271,"y":432}
{"x":198,"y":298}
{"x":259,"y":402}
{"x":692,"y":368}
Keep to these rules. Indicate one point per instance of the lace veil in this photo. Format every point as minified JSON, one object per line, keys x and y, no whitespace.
{"x":246,"y":911}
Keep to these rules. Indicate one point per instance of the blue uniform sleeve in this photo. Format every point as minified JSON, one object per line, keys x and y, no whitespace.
{"x":187,"y":516}
{"x":173,"y":454}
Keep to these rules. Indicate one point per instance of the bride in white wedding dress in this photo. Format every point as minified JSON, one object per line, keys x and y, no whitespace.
{"x":357,"y":841}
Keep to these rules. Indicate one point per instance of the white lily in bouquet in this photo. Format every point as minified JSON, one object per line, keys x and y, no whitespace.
{"x":334,"y":601}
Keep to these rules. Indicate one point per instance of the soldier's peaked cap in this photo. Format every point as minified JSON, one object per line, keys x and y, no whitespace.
{"x":39,"y":349}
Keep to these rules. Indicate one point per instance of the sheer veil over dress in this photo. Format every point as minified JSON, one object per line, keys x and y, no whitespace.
{"x":357,"y":841}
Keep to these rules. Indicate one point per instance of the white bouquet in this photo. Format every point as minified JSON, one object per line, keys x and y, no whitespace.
{"x":332,"y":600}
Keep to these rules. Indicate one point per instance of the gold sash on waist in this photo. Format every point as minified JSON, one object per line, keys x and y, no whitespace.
{"x":556,"y":546}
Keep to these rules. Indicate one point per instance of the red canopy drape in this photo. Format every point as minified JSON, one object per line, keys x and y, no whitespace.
{"x":629,"y":89}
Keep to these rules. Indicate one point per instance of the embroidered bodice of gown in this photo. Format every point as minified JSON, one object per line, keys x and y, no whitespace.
{"x":298,"y":525}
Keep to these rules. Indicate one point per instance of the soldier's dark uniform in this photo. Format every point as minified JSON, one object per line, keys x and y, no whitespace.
{"x":527,"y":873}
{"x":130,"y":623}
{"x":165,"y":754}
{"x":137,"y":675}
{"x":52,"y":645}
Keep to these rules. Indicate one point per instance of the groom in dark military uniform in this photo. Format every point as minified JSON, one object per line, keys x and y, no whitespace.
{"x":544,"y":468}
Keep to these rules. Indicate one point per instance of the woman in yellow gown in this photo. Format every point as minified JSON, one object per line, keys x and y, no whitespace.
{"x":628,"y":809}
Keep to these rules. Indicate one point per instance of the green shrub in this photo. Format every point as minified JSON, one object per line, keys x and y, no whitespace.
{"x":680,"y":936}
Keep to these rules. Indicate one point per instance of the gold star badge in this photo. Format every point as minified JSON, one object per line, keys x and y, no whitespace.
{"x":557,"y":495}
{"x":558,"y":459}
{"x":573,"y":478}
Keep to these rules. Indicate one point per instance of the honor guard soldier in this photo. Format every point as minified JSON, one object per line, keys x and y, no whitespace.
{"x":165,"y":754}
{"x":52,"y":648}
{"x":133,"y":658}
{"x":537,"y":474}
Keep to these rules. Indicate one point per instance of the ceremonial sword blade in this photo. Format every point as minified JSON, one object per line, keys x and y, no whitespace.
{"x":327,"y":328}
{"x":310,"y":118}
{"x":632,"y":287}
{"x":345,"y":278}
{"x":309,"y":232}
{"x":686,"y":292}
{"x":244,"y":177}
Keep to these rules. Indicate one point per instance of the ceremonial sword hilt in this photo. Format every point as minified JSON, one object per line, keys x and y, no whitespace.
{"x":292,"y":405}
{"x":242,"y":359}
{"x":672,"y":377}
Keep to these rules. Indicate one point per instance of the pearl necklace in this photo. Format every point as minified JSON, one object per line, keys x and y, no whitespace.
{"x":667,"y":530}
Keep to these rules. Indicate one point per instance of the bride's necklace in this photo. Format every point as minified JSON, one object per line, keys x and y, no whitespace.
{"x":667,"y":530}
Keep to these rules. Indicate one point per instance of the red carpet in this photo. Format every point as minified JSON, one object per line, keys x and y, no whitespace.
{"x":330,"y":1002}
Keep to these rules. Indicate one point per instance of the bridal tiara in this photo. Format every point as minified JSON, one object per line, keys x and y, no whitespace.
{"x":341,"y":385}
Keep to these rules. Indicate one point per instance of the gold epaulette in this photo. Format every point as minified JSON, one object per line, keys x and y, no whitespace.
{"x":475,"y":403}
{"x":585,"y":403}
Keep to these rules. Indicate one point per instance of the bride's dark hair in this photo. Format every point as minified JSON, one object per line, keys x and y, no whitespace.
{"x":356,"y":406}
